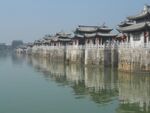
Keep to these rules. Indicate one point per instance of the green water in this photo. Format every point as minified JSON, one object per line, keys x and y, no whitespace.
{"x":35,"y":85}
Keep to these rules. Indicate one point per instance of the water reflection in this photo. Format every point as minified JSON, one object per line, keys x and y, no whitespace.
{"x":3,"y":55}
{"x":17,"y":59}
{"x":101,"y":85}
{"x":134,"y":92}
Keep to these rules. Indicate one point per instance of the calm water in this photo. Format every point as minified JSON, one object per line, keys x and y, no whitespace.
{"x":33,"y":85}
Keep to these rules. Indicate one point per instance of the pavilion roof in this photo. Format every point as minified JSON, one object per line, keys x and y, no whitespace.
{"x":106,"y":34}
{"x":134,"y":27}
{"x":144,"y":13}
{"x":37,"y":42}
{"x":93,"y":29}
{"x":93,"y":35}
{"x":63,"y":35}
{"x":90,"y":35}
{"x":119,"y":35}
{"x":47,"y":37}
{"x":22,"y":47}
{"x":105,"y":28}
{"x":29,"y":44}
{"x":46,"y":41}
{"x":54,"y":38}
{"x":60,"y":36}
{"x":87,"y":29}
{"x":64,"y":40}
{"x":126,"y":23}
{"x":79,"y":36}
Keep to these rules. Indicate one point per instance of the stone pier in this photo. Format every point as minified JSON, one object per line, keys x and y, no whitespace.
{"x":82,"y":54}
{"x":125,"y":59}
{"x":134,"y":59}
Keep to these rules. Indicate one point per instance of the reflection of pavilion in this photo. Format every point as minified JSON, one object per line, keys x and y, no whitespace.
{"x":75,"y":73}
{"x":100,"y":79}
{"x":101,"y":85}
{"x":135,"y":89}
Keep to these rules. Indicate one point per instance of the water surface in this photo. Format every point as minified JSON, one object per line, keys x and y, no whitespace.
{"x":36,"y":85}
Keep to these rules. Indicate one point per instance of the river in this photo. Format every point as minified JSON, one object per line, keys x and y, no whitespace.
{"x":36,"y":85}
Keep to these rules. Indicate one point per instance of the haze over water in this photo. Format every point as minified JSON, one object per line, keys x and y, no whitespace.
{"x":36,"y":85}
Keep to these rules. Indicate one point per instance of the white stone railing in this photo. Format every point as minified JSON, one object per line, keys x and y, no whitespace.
{"x":42,"y":48}
{"x":128,"y":45}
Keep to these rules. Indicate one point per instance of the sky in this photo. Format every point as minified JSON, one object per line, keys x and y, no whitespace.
{"x":29,"y":20}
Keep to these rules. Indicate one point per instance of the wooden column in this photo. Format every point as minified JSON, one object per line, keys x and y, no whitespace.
{"x":97,"y":41}
{"x":101,"y":41}
{"x":77,"y":42}
{"x":127,"y":39}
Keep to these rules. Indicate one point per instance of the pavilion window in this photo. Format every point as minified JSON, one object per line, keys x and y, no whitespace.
{"x":76,"y":42}
{"x":88,"y":41}
{"x":136,"y":36}
{"x":94,"y":41}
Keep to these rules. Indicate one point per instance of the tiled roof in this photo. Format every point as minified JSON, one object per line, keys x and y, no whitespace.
{"x":90,"y":35}
{"x":125,"y":23}
{"x":87,"y":29}
{"x":106,"y":34}
{"x":79,"y":36}
{"x":142,"y":14}
{"x":134,"y":27}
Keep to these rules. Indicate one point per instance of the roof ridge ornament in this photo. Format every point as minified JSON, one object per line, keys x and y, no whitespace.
{"x":142,"y":14}
{"x":146,"y":7}
{"x":104,"y":24}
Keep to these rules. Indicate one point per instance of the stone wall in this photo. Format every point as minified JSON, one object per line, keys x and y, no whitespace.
{"x":134,"y":59}
{"x":126,"y":59}
{"x":75,"y":54}
{"x":71,"y":54}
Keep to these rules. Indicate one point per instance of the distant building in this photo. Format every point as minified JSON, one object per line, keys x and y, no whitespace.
{"x":59,"y":39}
{"x":137,"y":28}
{"x":3,"y":46}
{"x":16,"y":43}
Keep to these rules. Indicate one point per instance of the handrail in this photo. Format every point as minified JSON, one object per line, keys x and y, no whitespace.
{"x":92,"y":46}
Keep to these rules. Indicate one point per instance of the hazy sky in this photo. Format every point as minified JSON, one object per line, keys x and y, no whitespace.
{"x":29,"y":20}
